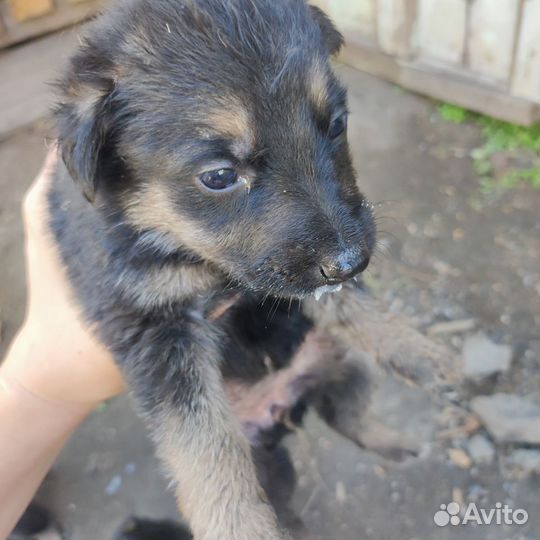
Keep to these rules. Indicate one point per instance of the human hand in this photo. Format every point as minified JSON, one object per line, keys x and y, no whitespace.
{"x":56,"y":356}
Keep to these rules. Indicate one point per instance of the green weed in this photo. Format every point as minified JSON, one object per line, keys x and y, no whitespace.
{"x":498,"y":136}
{"x":453,"y":113}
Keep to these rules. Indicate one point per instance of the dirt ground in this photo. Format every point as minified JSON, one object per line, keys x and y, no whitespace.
{"x":449,"y":253}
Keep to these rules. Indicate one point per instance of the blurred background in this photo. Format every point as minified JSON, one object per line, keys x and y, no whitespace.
{"x":444,"y":96}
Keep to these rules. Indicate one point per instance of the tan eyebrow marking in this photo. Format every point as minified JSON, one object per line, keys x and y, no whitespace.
{"x":231,"y":120}
{"x":318,"y":84}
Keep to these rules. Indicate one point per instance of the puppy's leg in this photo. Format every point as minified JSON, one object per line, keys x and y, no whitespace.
{"x":266,"y":404}
{"x":172,"y":368}
{"x":277,"y":476}
{"x":343,"y":402}
{"x":390,"y":341}
{"x":375,"y":341}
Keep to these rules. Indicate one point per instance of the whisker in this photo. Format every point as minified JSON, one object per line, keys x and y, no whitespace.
{"x":387,"y":234}
{"x":275,"y":310}
{"x":269,"y":316}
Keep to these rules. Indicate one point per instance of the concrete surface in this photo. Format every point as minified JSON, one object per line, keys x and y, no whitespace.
{"x":27,"y":72}
{"x":449,"y":253}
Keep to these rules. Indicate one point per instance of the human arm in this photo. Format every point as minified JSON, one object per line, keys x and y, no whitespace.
{"x":56,"y":371}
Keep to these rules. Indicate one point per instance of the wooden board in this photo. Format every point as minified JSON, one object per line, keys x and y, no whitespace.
{"x":395,"y":26}
{"x":66,"y":13}
{"x":22,"y":10}
{"x":442,"y":30}
{"x":358,"y":15}
{"x":490,"y":43}
{"x":526,"y":76}
{"x":443,"y":84}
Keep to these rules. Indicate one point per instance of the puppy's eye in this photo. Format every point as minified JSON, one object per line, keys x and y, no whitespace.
{"x":337,"y":127}
{"x":219,"y":179}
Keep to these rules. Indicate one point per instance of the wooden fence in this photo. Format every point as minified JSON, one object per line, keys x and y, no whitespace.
{"x":481,"y":54}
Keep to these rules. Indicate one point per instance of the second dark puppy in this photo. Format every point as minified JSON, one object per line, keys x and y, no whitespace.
{"x":210,"y":140}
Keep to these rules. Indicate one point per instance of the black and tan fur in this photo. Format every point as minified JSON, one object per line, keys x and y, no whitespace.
{"x":160,"y":92}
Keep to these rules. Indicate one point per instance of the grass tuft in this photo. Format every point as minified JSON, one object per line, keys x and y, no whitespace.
{"x":453,"y":113}
{"x":499,"y":136}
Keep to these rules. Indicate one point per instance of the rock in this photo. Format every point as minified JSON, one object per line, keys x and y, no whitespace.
{"x":509,"y":418}
{"x":341,"y":493}
{"x":482,"y":357}
{"x":459,"y":458}
{"x":451,"y":327}
{"x":130,"y":469}
{"x":522,"y":463}
{"x":114,"y":485}
{"x":468,"y":425}
{"x":481,"y":450}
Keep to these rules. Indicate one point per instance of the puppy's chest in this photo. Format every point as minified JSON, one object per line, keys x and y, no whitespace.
{"x":151,"y":286}
{"x":262,"y":337}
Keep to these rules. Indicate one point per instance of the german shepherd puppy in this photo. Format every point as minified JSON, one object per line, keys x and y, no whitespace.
{"x":206,"y":164}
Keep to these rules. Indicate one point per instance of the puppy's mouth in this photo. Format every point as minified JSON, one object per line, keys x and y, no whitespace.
{"x":326,"y":289}
{"x":288,"y":282}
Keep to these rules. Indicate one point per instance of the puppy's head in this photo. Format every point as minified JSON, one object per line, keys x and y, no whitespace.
{"x":219,"y":127}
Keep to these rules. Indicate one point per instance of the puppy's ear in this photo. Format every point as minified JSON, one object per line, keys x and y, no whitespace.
{"x":85,"y":122}
{"x":331,"y":36}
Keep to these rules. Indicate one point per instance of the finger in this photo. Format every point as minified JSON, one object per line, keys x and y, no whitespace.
{"x":34,"y":200}
{"x":50,"y":162}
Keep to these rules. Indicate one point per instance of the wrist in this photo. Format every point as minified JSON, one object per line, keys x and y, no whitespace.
{"x":74,"y":372}
{"x":29,"y":375}
{"x":24,"y":402}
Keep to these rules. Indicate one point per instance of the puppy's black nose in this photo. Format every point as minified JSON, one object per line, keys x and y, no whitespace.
{"x":344,"y":267}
